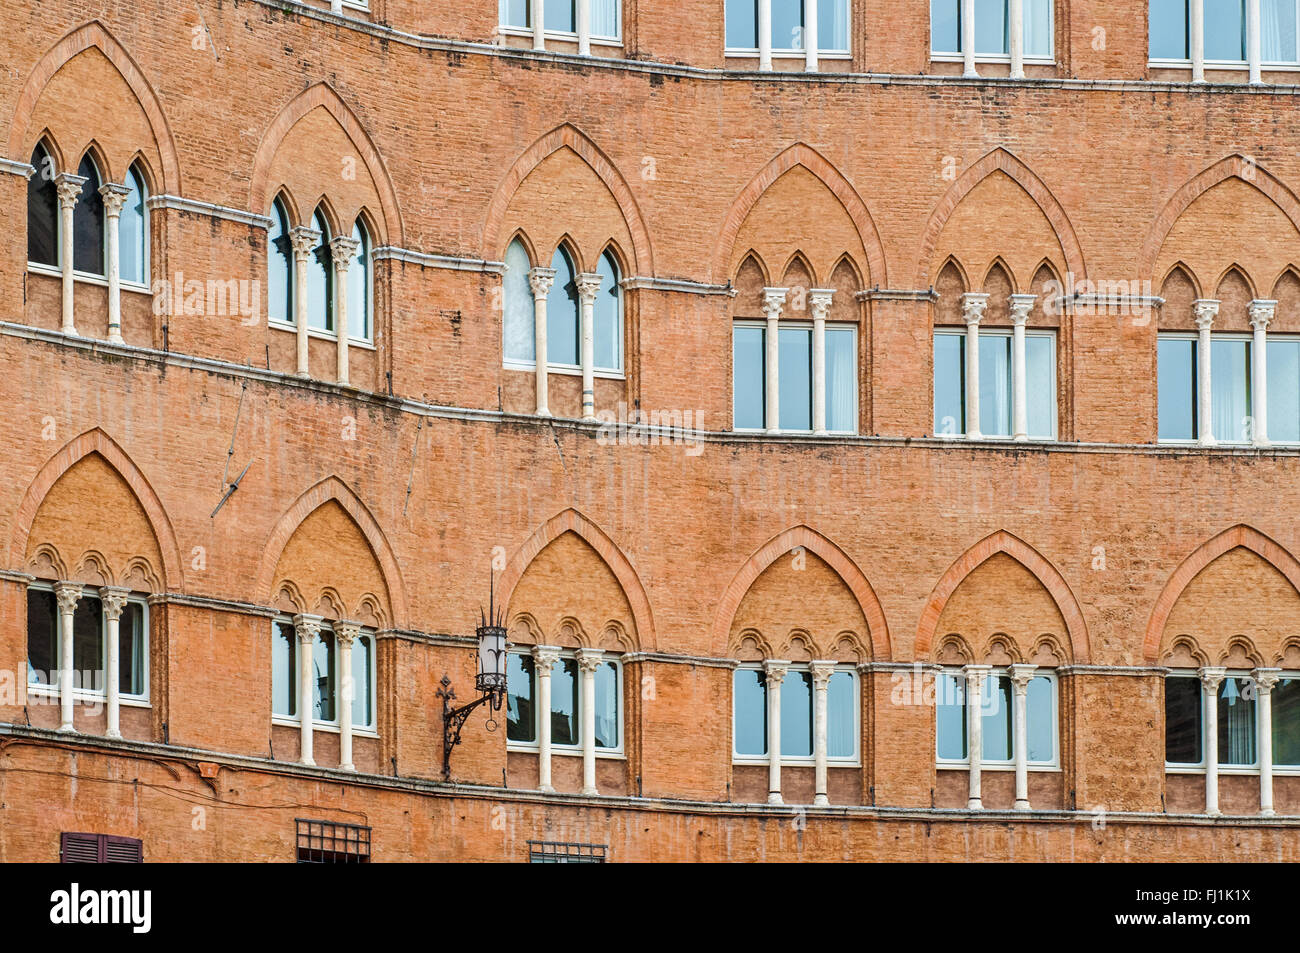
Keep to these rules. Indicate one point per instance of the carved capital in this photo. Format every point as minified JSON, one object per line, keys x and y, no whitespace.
{"x":1021,"y":676}
{"x":303,"y":240}
{"x":1205,"y":310}
{"x":544,"y":657}
{"x":819,"y":302}
{"x":775,"y":670}
{"x":540,"y":280}
{"x":1266,"y":679}
{"x":346,"y":633}
{"x":67,"y":594}
{"x":69,"y":188}
{"x":774,"y":302}
{"x":590,"y":659}
{"x":1212,"y":677}
{"x":307,"y":627}
{"x":975,"y":676}
{"x":973,"y":307}
{"x":821,"y":674}
{"x":114,"y":601}
{"x":1261,"y":313}
{"x":1021,"y":305}
{"x":343,"y":249}
{"x":114,"y":197}
{"x":588,"y":286}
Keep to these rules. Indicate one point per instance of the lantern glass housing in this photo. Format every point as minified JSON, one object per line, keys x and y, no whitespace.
{"x":491,"y":658}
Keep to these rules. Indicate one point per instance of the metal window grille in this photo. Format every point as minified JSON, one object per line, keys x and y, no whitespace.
{"x":560,"y":852}
{"x":325,"y":842}
{"x":99,"y":849}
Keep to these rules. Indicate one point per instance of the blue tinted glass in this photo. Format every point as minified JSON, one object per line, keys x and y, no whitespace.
{"x":991,"y":27}
{"x":1040,"y":389}
{"x":1284,"y":389}
{"x":995,"y":739}
{"x":564,"y":703}
{"x":515,"y":13}
{"x":796,"y":714}
{"x":949,"y":384}
{"x":841,"y":709}
{"x":748,"y":369}
{"x":1225,"y":30}
{"x":787,"y":25}
{"x":562,"y":312}
{"x":1176,"y":388}
{"x":833,"y":26}
{"x":1277,"y":21}
{"x":841,"y":381}
{"x":750,"y":715}
{"x":1168,"y":30}
{"x":795,"y":376}
{"x":950,"y":716}
{"x":995,"y":385}
{"x":607,"y":705}
{"x":521,"y":721}
{"x":945,"y":26}
{"x":742,"y":24}
{"x":561,"y":16}
{"x":1040,"y":728}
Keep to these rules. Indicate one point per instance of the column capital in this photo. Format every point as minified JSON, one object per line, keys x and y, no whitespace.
{"x":307,"y":627}
{"x":819,"y":302}
{"x":973,"y":307}
{"x":343,"y":249}
{"x":1021,"y":305}
{"x":540,"y":280}
{"x":1205,"y":310}
{"x":590,"y":659}
{"x":67,"y":594}
{"x":114,"y":600}
{"x":1021,"y":675}
{"x":822,"y":670}
{"x":775,"y":670}
{"x":303,"y":240}
{"x":1211,"y":676}
{"x":69,"y":188}
{"x":774,"y":302}
{"x":346,"y":632}
{"x":114,"y":197}
{"x":1261,"y":313}
{"x":1266,"y":679}
{"x":589,"y":285}
{"x":545,"y":656}
{"x":975,"y":674}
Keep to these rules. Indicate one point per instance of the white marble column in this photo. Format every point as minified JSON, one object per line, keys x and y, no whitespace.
{"x":821,"y":678}
{"x":1020,"y":678}
{"x":345,"y":633}
{"x":775,"y":671}
{"x":1021,"y":305}
{"x":1205,"y":310}
{"x":544,"y":657}
{"x":342,"y":250}
{"x":68,"y":187}
{"x":1261,"y":313}
{"x":973,"y":306}
{"x":540,"y":280}
{"x":1210,"y":681}
{"x":539,"y":24}
{"x":975,"y":676}
{"x":1017,"y":38}
{"x":819,"y":300}
{"x":336,"y":6}
{"x":307,"y":628}
{"x":303,"y":240}
{"x":1197,"y":39}
{"x":773,"y":303}
{"x":114,"y":601}
{"x":810,"y":35}
{"x":1253,"y":46}
{"x":584,"y":27}
{"x":67,"y":594}
{"x":589,"y":660}
{"x":588,"y":288}
{"x":765,"y":35}
{"x":1265,"y":681}
{"x":968,"y":37}
{"x":114,"y":197}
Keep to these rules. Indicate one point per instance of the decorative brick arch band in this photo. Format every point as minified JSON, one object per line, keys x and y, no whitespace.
{"x":572,"y":137}
{"x":94,"y":34}
{"x":1000,"y":160}
{"x":322,"y":95}
{"x":334,"y":489}
{"x":800,"y":155}
{"x":1037,"y":564}
{"x":1234,"y":166}
{"x":97,"y":442}
{"x":571,"y":521}
{"x":1240,"y":535}
{"x":829,"y":553}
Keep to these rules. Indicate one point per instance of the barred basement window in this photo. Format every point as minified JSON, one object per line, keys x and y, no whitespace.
{"x":559,"y":852}
{"x":100,"y":849}
{"x":325,"y":842}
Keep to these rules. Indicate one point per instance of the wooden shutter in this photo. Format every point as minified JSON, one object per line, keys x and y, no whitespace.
{"x":100,"y":849}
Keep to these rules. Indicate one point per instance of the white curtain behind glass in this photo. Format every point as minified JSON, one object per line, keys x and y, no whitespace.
{"x":840,"y":382}
{"x":604,"y":18}
{"x":1236,"y":724}
{"x":995,"y":385}
{"x":1277,"y":27}
{"x":840,"y":700}
{"x":1229,"y":390}
{"x":833,"y":26}
{"x":1038,"y":27}
{"x":519,"y":340}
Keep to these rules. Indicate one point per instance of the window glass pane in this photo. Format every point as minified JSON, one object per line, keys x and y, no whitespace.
{"x":1225,"y":30}
{"x":747,"y":376}
{"x":787,"y":24}
{"x":1176,"y":362}
{"x":42,"y":212}
{"x":42,"y":637}
{"x":742,"y":24}
{"x":949,"y":384}
{"x":795,"y":377}
{"x":608,"y":330}
{"x":322,"y":663}
{"x":359,"y":287}
{"x":519,"y":343}
{"x":1038,"y":27}
{"x":88,"y":223}
{"x":560,"y":16}
{"x":1040,"y":705}
{"x":1168,"y":30}
{"x":564,"y":703}
{"x":796,"y":715}
{"x":604,"y":18}
{"x":995,"y":385}
{"x":320,"y":280}
{"x":132,"y":237}
{"x":996,"y":727}
{"x":749,"y":691}
{"x":841,"y":382}
{"x":1236,"y":721}
{"x":363,"y":668}
{"x":1286,"y":722}
{"x":1040,"y":384}
{"x":88,"y":644}
{"x":991,"y":26}
{"x":1277,"y":27}
{"x":950,"y":716}
{"x":607,"y":700}
{"x":1284,"y":389}
{"x":515,"y":13}
{"x":521,"y":723}
{"x":132,"y":640}
{"x":833,"y":26}
{"x":945,"y":26}
{"x":1183,"y":711}
{"x":1230,"y":390}
{"x":279,"y":268}
{"x":284,"y":670}
{"x":562,"y":311}
{"x":841,"y":712}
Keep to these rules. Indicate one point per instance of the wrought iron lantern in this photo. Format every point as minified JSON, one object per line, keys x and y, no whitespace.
{"x":490,"y":681}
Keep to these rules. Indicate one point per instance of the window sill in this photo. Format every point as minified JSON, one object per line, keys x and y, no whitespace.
{"x":991,"y":58}
{"x":737,"y":54}
{"x":560,"y":35}
{"x":602,"y":754}
{"x":795,"y":433}
{"x":997,"y":766}
{"x":1236,"y":769}
{"x":328,"y":727}
{"x":322,"y":335}
{"x":86,"y":278}
{"x":565,"y":370}
{"x":80,"y":695}
{"x":794,"y":763}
